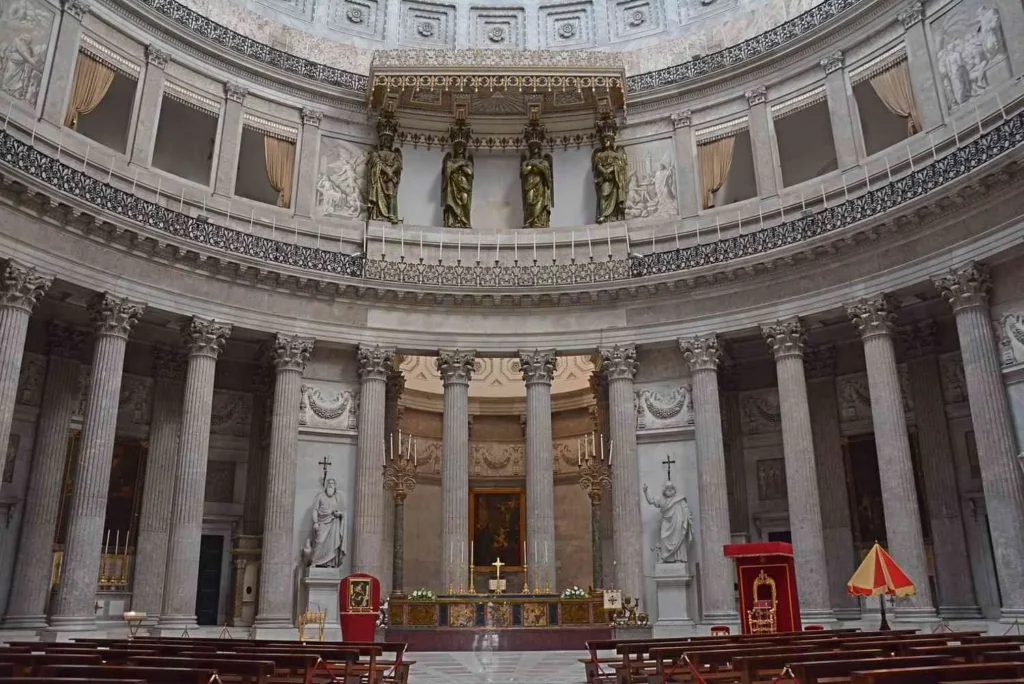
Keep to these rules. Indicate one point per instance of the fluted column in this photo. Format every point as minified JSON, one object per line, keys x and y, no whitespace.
{"x":277,"y":567}
{"x":716,"y":572}
{"x":64,"y":61}
{"x":204,"y":339}
{"x":874,"y":319}
{"x":967,"y":291}
{"x":619,"y":366}
{"x":21,"y":287}
{"x":942,"y":496}
{"x":375,"y":363}
{"x":840,"y":112}
{"x":538,"y":367}
{"x":32,"y":564}
{"x":113,"y":319}
{"x":230,"y":139}
{"x":786,"y":342}
{"x":761,"y":145}
{"x":255,"y":466}
{"x":308,"y":160}
{"x":157,"y":491}
{"x":840,"y":556}
{"x":919,"y":64}
{"x":392,"y":421}
{"x":150,"y":103}
{"x":687,"y":165}
{"x":456,"y":368}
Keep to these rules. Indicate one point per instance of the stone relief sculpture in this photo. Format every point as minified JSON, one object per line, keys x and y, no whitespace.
{"x":457,"y":178}
{"x":25,"y":28}
{"x":536,"y":172}
{"x":384,"y":171}
{"x":971,"y":53}
{"x":1010,"y":333}
{"x":651,"y":186}
{"x":341,"y":180}
{"x":611,"y":173}
{"x":324,"y":407}
{"x":676,"y":530}
{"x":655,"y":409}
{"x":324,"y":549}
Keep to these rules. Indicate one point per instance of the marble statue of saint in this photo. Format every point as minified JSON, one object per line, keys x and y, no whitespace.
{"x":536,"y":172}
{"x":611,"y":174}
{"x":676,"y":524}
{"x":328,"y":532}
{"x":384,"y":173}
{"x":457,"y":181}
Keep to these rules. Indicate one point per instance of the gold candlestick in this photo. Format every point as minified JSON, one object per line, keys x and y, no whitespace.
{"x":526,"y":578}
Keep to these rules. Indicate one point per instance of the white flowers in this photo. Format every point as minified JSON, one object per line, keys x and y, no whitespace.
{"x":574,"y":592}
{"x":421,"y":595}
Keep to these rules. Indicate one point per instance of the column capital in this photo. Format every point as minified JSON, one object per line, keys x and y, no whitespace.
{"x":911,"y":15}
{"x":312,"y":117}
{"x":599,"y":385}
{"x":618,"y":362}
{"x":756,"y":95}
{"x":21,"y":287}
{"x":785,"y":338}
{"x":456,"y":366}
{"x":113,"y":315}
{"x":376,"y":362}
{"x":876,"y":316}
{"x":820,"y":361}
{"x":157,"y":56}
{"x":235,"y":92}
{"x":702,"y":353}
{"x":919,"y":340}
{"x":396,"y":382}
{"x":681,"y":119}
{"x":965,"y":287}
{"x":65,"y":341}
{"x":291,"y":352}
{"x":538,"y":366}
{"x":205,"y":336}
{"x":832,"y":62}
{"x":169,"y":364}
{"x":76,"y":8}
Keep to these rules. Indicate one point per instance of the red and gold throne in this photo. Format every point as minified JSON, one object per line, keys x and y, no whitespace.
{"x":767,"y":582}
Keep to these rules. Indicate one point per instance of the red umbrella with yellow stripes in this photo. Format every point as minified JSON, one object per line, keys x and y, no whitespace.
{"x":877,"y":575}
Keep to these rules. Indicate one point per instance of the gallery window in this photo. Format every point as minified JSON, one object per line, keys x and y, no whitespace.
{"x":102,"y":100}
{"x":186,"y":135}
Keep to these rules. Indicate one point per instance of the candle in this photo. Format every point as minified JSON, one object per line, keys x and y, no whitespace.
{"x":910,"y":157}
{"x":579,"y":452}
{"x":602,"y":450}
{"x":609,"y":240}
{"x":535,"y":246}
{"x":106,"y":543}
{"x":117,"y":541}
{"x":572,"y":245}
{"x":611,"y":448}
{"x":392,"y":439}
{"x":590,"y":245}
{"x":515,"y":246}
{"x":451,"y":553}
{"x":459,"y":247}
{"x":888,"y":171}
{"x":440,"y":248}
{"x":846,"y":194}
{"x":824,"y":200}
{"x":401,"y":238}
{"x":421,"y":244}
{"x":478,"y":249}
{"x":252,"y":217}
{"x":414,"y":460}
{"x":497,"y":249}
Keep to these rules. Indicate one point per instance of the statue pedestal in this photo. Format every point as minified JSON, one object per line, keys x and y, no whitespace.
{"x":322,"y":596}
{"x":672,"y":581}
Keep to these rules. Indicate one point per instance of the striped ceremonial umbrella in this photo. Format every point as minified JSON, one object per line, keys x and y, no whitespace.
{"x":879,"y":574}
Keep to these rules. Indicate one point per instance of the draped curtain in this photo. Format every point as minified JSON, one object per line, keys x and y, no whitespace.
{"x":280,"y":158}
{"x":92,"y":81}
{"x":714,"y":158}
{"x":894,"y":90}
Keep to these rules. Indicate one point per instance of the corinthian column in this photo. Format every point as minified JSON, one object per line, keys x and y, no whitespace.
{"x":874,"y":318}
{"x":31,"y":586}
{"x":619,"y":366}
{"x":277,"y":567}
{"x":113,"y":319}
{"x":716,"y":573}
{"x":375,"y":363}
{"x":157,"y":497}
{"x":538,"y":367}
{"x":21,"y":287}
{"x":204,"y":339}
{"x":967,"y":291}
{"x":456,"y":369}
{"x":786,"y":342}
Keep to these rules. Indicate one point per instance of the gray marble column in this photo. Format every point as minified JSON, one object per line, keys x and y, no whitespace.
{"x":619,"y":366}
{"x":761,"y":144}
{"x":938,"y":472}
{"x":157,"y":492}
{"x":687,"y":171}
{"x":967,"y":291}
{"x":786,"y":342}
{"x":64,"y":61}
{"x":717,"y":574}
{"x":392,"y":423}
{"x":204,"y":338}
{"x":838,"y":94}
{"x":732,"y":444}
{"x":874,"y":319}
{"x":456,"y":368}
{"x":113,"y":319}
{"x":230,"y":139}
{"x":150,"y":103}
{"x":277,"y":565}
{"x":256,"y":465}
{"x":309,"y":161}
{"x":21,"y":288}
{"x":31,"y":582}
{"x":840,"y":555}
{"x":919,"y":64}
{"x":538,"y":368}
{"x":375,"y":363}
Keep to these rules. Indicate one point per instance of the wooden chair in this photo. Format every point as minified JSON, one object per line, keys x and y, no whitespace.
{"x":720,"y":630}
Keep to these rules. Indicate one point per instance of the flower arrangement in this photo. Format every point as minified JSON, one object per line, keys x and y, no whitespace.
{"x":574,"y":592}
{"x":421,"y":595}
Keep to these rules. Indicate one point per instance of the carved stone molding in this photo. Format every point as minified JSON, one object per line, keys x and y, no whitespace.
{"x":618,"y":362}
{"x":329,"y":408}
{"x":702,"y":353}
{"x":820,"y":361}
{"x":456,"y":366}
{"x":657,"y":409}
{"x":965,"y":287}
{"x":919,"y":340}
{"x":76,"y":8}
{"x":872,"y":317}
{"x":832,"y":62}
{"x":760,"y":411}
{"x":21,"y":287}
{"x":235,"y":92}
{"x":135,"y":401}
{"x":65,"y":341}
{"x":396,"y":385}
{"x":291,"y":352}
{"x":954,"y":382}
{"x":205,"y":336}
{"x":756,"y":95}
{"x":312,"y":117}
{"x":784,"y":338}
{"x":231,"y":413}
{"x":854,"y":396}
{"x":538,"y":366}
{"x":157,"y":57}
{"x":31,"y":379}
{"x":913,"y":14}
{"x":681,"y":119}
{"x":376,"y":362}
{"x":115,"y":316}
{"x":169,"y":364}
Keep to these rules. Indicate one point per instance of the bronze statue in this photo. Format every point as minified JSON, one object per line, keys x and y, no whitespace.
{"x":611,"y":173}
{"x":457,"y":178}
{"x":384,"y":172}
{"x":536,"y":172}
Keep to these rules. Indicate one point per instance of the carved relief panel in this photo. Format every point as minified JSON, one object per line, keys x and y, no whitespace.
{"x":569,"y":25}
{"x":25,"y":30}
{"x":1010,"y":333}
{"x":341,"y":179}
{"x":760,"y":411}
{"x":652,"y":180}
{"x":428,"y":24}
{"x":231,"y":413}
{"x":970,"y":51}
{"x":31,"y":379}
{"x":328,"y":408}
{"x":663,"y":408}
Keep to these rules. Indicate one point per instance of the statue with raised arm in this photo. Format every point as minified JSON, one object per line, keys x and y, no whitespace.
{"x":457,"y":178}
{"x":324,"y":547}
{"x":676,"y":531}
{"x":611,"y":173}
{"x":384,"y":172}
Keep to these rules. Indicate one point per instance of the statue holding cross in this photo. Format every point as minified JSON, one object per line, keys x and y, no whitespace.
{"x":676,"y":531}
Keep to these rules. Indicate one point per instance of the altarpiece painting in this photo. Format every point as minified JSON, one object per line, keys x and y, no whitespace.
{"x":497,"y":522}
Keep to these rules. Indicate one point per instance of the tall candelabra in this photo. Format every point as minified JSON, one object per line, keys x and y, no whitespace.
{"x":399,"y":479}
{"x":595,"y":478}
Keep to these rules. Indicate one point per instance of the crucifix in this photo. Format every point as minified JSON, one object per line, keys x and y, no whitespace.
{"x":668,"y":463}
{"x":323,"y":464}
{"x":497,"y":568}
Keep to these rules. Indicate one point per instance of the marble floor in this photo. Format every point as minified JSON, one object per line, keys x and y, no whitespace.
{"x":493,"y":667}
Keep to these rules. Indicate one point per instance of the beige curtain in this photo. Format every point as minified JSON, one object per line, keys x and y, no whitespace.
{"x":714,"y":158}
{"x":280,"y":156}
{"x":92,"y":81}
{"x":894,"y":89}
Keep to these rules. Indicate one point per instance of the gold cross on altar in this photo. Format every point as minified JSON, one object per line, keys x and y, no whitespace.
{"x":497,"y":568}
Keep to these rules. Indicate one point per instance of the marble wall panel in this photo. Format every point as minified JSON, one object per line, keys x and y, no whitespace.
{"x":573,"y":547}
{"x":26,"y":28}
{"x":422,"y":548}
{"x":419,"y":195}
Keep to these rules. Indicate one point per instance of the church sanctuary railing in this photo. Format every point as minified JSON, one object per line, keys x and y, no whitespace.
{"x":1002,"y":138}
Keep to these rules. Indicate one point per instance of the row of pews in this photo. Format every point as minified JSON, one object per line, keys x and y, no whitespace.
{"x":839,"y":656}
{"x":150,"y":660}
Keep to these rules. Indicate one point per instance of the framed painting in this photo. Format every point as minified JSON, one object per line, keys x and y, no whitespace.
{"x":497,"y":527}
{"x":360,"y":595}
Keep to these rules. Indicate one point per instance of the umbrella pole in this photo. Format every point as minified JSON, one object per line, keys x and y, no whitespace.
{"x":884,"y":626}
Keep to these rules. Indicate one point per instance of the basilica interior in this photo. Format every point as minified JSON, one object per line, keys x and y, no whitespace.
{"x":449,"y":293}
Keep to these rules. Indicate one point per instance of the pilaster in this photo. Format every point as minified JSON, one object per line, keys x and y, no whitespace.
{"x":919,"y":63}
{"x":687,"y":171}
{"x":309,"y":159}
{"x":837,"y":91}
{"x":230,"y":139}
{"x":150,"y":105}
{"x":761,"y":141}
{"x":65,"y":60}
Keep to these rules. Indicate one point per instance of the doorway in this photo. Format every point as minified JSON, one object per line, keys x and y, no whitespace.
{"x":211,"y":553}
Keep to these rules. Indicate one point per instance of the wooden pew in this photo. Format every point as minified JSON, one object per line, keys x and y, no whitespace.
{"x":970,"y":653}
{"x":29,"y":664}
{"x":937,"y":674}
{"x":152,"y":675}
{"x":1001,"y":656}
{"x":286,"y":665}
{"x":67,"y":680}
{"x":251,"y":669}
{"x":809,"y":672}
{"x":751,"y":668}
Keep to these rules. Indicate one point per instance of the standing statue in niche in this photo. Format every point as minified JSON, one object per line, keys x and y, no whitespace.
{"x":676,"y":531}
{"x":323,"y":549}
{"x":384,"y":171}
{"x":536,"y":172}
{"x":457,"y":178}
{"x":611,"y":173}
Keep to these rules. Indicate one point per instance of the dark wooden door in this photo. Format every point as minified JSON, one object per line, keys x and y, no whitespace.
{"x":211,"y":553}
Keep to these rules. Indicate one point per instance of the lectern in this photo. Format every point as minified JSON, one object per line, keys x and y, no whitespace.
{"x":767,"y":581}
{"x":359,"y":604}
